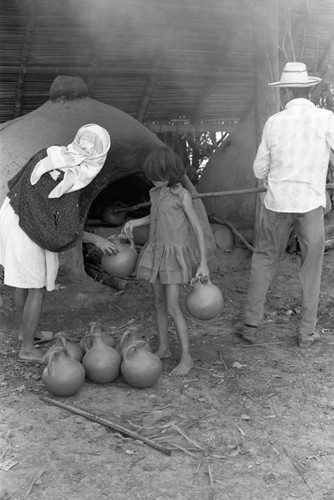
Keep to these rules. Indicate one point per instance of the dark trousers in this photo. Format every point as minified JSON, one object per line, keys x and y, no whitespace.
{"x":272,"y":242}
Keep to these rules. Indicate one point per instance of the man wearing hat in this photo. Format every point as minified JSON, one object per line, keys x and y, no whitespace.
{"x":292,"y":159}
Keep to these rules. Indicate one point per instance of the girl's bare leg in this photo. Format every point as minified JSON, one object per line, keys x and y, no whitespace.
{"x":160,"y":304}
{"x":31,"y":314}
{"x":174,"y":309}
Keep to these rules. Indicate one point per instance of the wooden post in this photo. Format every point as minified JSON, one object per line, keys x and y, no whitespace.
{"x":265,"y":64}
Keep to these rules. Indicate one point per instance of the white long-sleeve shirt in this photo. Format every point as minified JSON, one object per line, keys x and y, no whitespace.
{"x":293,"y":157}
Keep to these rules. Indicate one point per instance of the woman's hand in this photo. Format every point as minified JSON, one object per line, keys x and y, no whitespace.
{"x":106,"y":246}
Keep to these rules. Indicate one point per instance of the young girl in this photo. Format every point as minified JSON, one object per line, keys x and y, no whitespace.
{"x":167,"y":258}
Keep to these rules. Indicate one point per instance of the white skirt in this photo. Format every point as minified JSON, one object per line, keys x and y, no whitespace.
{"x":26,"y":265}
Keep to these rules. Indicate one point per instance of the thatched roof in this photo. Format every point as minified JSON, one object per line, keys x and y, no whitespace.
{"x":158,"y":60}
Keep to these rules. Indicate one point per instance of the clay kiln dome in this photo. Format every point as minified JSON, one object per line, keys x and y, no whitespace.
{"x":231,"y":168}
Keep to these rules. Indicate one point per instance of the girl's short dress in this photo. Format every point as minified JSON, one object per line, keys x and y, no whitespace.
{"x":168,"y":257}
{"x":26,"y":265}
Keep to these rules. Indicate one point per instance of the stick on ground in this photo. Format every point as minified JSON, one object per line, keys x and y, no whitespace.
{"x":107,"y":423}
{"x":235,"y":232}
{"x":36,"y":478}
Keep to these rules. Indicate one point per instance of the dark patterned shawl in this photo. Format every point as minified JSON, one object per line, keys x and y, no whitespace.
{"x":53,"y":223}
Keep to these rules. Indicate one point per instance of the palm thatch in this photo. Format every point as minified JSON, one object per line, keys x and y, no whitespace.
{"x":166,"y":63}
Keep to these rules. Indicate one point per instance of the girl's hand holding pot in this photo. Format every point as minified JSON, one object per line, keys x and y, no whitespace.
{"x":203,"y":273}
{"x":127,"y":229}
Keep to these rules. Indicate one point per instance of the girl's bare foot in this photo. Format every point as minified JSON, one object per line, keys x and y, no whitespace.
{"x":183,"y":367}
{"x":33,"y":356}
{"x":163,"y":353}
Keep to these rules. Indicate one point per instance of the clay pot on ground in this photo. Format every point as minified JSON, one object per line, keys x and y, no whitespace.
{"x":132,"y":335}
{"x":123,"y":263}
{"x":205,"y":300}
{"x":140,"y":368}
{"x":87,"y":341}
{"x":48,"y":354}
{"x":223,"y":237}
{"x":72,"y":349}
{"x":101,"y":362}
{"x":63,"y":376}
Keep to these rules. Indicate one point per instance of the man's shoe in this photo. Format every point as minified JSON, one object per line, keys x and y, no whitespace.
{"x":248,"y":333}
{"x":307,"y":340}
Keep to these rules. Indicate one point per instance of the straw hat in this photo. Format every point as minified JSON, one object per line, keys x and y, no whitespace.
{"x":294,"y":74}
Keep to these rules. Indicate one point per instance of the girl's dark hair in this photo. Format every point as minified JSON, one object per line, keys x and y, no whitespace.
{"x":163,"y":164}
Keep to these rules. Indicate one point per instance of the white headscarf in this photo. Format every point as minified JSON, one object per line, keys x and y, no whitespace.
{"x":80,"y":161}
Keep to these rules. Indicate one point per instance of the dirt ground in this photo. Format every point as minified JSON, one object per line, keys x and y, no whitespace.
{"x":246,"y":423}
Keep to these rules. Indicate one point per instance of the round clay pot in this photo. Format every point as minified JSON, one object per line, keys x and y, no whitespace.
{"x":140,"y":368}
{"x":63,"y":376}
{"x":101,"y":362}
{"x":205,"y":300}
{"x":123,"y":263}
{"x":72,"y":349}
{"x":223,"y":237}
{"x":109,"y":216}
{"x":130,"y":337}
